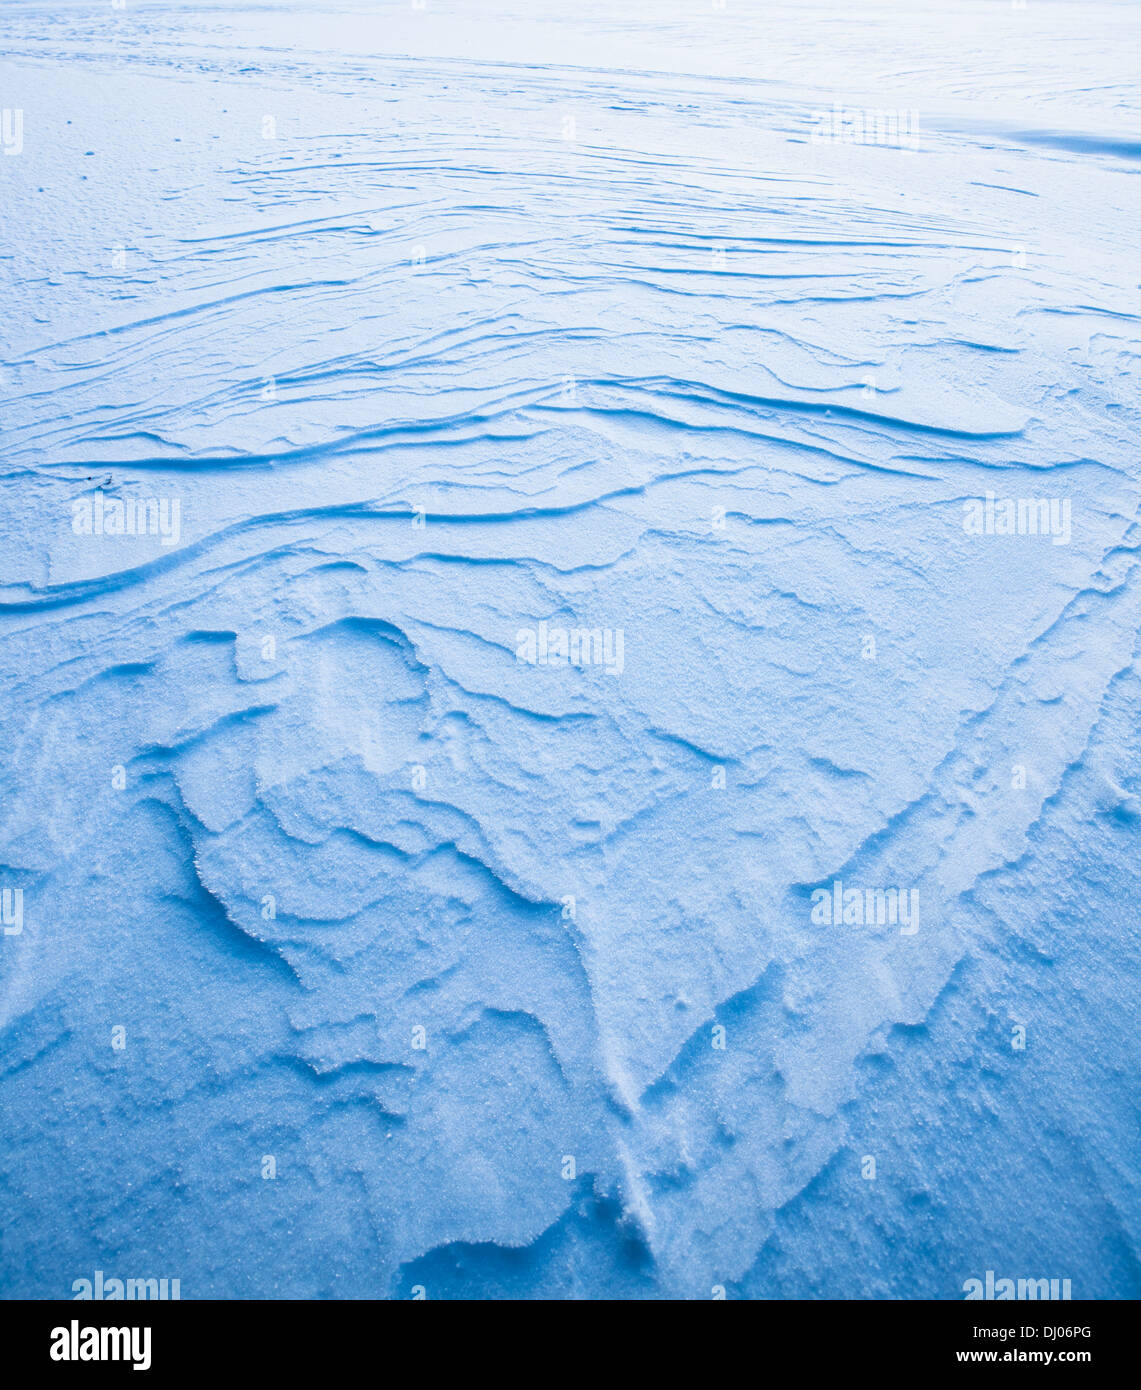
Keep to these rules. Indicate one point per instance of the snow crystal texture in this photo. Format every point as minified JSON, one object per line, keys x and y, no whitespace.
{"x":356,"y":360}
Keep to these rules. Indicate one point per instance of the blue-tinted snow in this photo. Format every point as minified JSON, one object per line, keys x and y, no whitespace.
{"x":422,"y":328}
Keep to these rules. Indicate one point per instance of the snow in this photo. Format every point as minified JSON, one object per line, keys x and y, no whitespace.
{"x":423,"y":328}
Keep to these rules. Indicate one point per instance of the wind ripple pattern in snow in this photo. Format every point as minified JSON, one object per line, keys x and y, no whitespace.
{"x":456,"y":346}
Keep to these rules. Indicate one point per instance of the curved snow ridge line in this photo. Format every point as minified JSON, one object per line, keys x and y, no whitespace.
{"x":77,"y":592}
{"x":673,"y":388}
{"x":502,"y":409}
{"x":186,"y":311}
{"x":658,"y":390}
{"x":351,"y":377}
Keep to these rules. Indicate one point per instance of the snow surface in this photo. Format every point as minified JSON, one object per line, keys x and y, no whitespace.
{"x":439,"y":324}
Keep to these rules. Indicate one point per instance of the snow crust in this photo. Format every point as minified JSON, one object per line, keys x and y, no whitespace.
{"x":557,"y":314}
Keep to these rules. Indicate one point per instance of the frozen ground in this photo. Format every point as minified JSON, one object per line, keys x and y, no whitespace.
{"x":423,"y":328}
